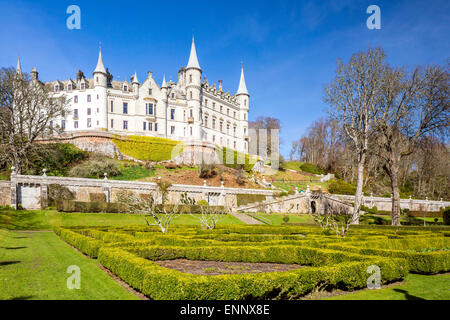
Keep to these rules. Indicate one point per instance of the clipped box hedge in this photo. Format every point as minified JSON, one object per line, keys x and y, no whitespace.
{"x":165,"y":284}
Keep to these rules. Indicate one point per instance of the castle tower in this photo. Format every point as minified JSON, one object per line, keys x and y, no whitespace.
{"x":243,"y":98}
{"x":193,"y":93}
{"x":135,"y":84}
{"x":100,"y":85}
{"x":19,"y":67}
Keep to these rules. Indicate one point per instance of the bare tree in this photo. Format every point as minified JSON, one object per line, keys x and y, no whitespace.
{"x":210,"y":215}
{"x":334,"y":216}
{"x":353,"y":99}
{"x":27,"y":111}
{"x":414,"y":106}
{"x":162,"y":215}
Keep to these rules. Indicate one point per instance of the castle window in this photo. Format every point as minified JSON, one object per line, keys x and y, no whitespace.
{"x":75,"y":124}
{"x":191,"y":130}
{"x":172,"y":114}
{"x":89,"y":123}
{"x":245,"y":131}
{"x":112,"y":123}
{"x":228,"y":112}
{"x":214,"y":138}
{"x":234,"y":130}
{"x":190,"y":78}
{"x":69,"y":87}
{"x":150,"y":92}
{"x":125,"y":125}
{"x":75,"y":99}
{"x":125,"y":88}
{"x":88,"y":98}
{"x":56,"y":88}
{"x":228,"y":129}
{"x":75,"y":113}
{"x":221,"y":126}
{"x":156,"y":126}
{"x":98,"y":110}
{"x":96,"y":79}
{"x":191,"y":94}
{"x":214,"y":106}
{"x":89,"y":111}
{"x":63,"y":124}
{"x":125,"y":108}
{"x":173,"y":95}
{"x":150,"y":126}
{"x":234,"y":114}
{"x":206,"y":102}
{"x":112,"y":106}
{"x":191,"y":113}
{"x":245,"y":102}
{"x":221,"y":109}
{"x":214,"y":124}
{"x":83,"y":86}
{"x":172,"y":130}
{"x":206,"y":121}
{"x":149,"y":108}
{"x":145,"y":125}
{"x":245,"y":116}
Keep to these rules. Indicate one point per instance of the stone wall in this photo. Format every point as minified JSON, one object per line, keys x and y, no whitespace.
{"x":32,"y":190}
{"x":5,"y":193}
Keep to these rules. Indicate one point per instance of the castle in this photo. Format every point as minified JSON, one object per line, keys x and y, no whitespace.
{"x":188,"y":110}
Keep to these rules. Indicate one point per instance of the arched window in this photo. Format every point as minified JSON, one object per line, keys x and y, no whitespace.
{"x":190,"y":78}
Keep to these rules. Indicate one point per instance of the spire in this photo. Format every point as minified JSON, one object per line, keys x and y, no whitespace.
{"x":135,"y":78}
{"x":19,"y":67}
{"x":242,"y":86}
{"x":193,"y":61}
{"x":100,"y":67}
{"x":164,"y":85}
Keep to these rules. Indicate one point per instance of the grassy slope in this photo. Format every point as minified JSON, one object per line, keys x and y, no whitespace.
{"x":34,"y":266}
{"x":45,"y":220}
{"x":417,"y":287}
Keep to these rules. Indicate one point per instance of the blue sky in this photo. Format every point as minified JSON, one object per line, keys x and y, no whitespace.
{"x":289,"y":48}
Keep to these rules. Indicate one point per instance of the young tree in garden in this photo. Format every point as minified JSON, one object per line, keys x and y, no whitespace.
{"x":414,"y":105}
{"x":162,"y":215}
{"x":353,"y":100}
{"x":27,"y":110}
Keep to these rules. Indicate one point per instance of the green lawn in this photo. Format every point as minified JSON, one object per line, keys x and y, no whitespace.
{"x":47,"y":219}
{"x":34,"y":266}
{"x":277,"y":219}
{"x":416,"y":287}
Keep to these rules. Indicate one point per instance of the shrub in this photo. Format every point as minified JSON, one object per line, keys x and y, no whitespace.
{"x":95,"y":169}
{"x":97,"y":197}
{"x":146,"y":148}
{"x":341,"y":187}
{"x":206,"y":171}
{"x":286,"y":219}
{"x":57,"y":193}
{"x":311,"y":168}
{"x":446,"y":216}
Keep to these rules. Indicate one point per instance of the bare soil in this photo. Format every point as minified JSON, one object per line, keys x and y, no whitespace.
{"x":213,"y":268}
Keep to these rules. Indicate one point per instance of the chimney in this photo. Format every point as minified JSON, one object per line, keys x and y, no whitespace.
{"x":34,"y":74}
{"x":220,"y":85}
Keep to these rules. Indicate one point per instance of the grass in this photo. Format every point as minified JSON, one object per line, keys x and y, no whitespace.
{"x":47,"y":219}
{"x":34,"y":266}
{"x":277,"y":219}
{"x":132,"y":172}
{"x":416,"y":287}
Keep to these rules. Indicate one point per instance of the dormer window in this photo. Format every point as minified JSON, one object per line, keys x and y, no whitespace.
{"x":150,"y":92}
{"x":69,"y":87}
{"x":125,"y":88}
{"x":56,"y":88}
{"x":83,"y":86}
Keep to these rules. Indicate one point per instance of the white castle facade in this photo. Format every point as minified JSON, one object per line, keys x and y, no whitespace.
{"x":188,"y":110}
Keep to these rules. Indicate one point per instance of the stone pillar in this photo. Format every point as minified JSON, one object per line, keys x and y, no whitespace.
{"x":107,"y":188}
{"x":44,"y":191}
{"x":13,"y":188}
